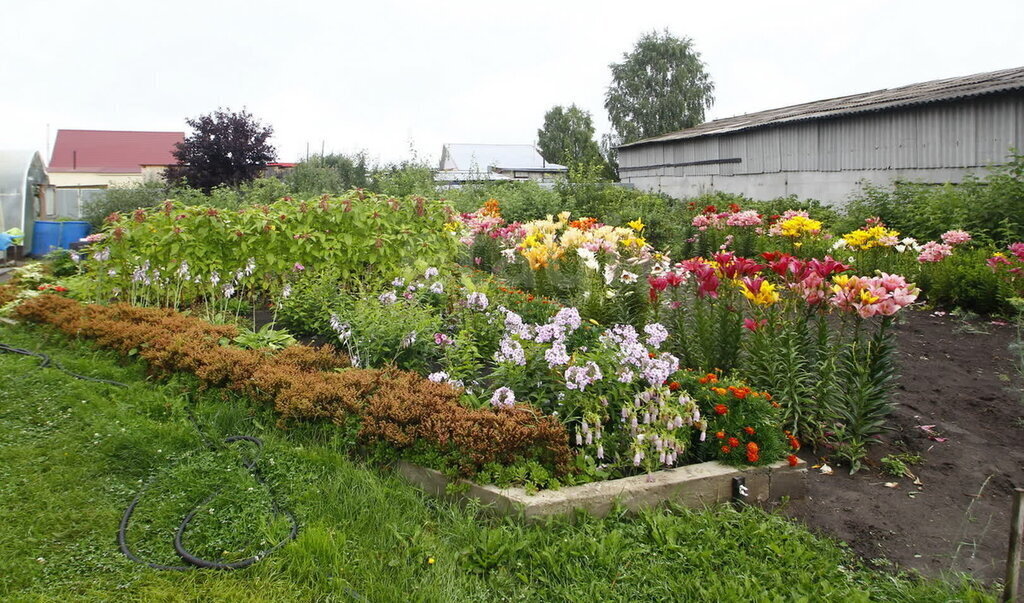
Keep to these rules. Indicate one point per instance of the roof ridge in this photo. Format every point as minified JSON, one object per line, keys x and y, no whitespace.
{"x":928,"y":91}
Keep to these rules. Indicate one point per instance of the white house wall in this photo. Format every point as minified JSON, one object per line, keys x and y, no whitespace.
{"x":826,"y":159}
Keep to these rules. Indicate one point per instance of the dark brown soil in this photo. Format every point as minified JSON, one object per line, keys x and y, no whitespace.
{"x":960,"y":377}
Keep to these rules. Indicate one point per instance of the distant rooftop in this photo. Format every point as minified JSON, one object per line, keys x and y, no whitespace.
{"x":484,"y":157}
{"x":112,"y":152}
{"x":904,"y":96}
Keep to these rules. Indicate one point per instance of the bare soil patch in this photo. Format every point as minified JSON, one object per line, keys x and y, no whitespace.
{"x":958,"y":376}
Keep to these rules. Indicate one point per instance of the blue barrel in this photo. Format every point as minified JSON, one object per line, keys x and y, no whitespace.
{"x":45,"y":237}
{"x":72,"y":231}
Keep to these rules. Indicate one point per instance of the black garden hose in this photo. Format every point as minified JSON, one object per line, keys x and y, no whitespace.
{"x":179,"y":546}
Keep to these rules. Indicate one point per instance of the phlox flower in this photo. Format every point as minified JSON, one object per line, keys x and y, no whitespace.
{"x":503,"y":398}
{"x":556,"y":355}
{"x":510,"y":350}
{"x":569,"y":318}
{"x":579,"y":377}
{"x":477,"y":301}
{"x":656,"y":334}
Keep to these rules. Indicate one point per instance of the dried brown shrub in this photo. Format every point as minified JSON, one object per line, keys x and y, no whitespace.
{"x":396,"y":408}
{"x":7,"y":294}
{"x":409,"y":408}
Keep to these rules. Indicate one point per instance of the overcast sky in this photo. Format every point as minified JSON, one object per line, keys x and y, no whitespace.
{"x":386,"y":76}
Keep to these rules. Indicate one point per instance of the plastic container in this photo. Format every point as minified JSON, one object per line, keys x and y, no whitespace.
{"x":45,"y":237}
{"x":71,"y":231}
{"x":48,"y":235}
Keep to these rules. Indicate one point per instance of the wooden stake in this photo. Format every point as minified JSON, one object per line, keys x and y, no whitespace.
{"x":1013,"y":559}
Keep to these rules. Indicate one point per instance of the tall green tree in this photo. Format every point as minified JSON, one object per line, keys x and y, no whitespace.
{"x":660,"y":87}
{"x":568,"y":137}
{"x":224,"y":148}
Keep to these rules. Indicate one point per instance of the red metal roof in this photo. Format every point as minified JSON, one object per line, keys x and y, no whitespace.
{"x":112,"y":152}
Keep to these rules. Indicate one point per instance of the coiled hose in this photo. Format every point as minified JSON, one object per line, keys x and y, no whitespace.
{"x":194,"y":561}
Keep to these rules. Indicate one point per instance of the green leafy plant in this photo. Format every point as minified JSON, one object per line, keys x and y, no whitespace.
{"x":266,"y":338}
{"x":898,"y":465}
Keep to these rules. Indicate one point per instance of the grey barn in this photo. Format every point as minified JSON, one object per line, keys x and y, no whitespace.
{"x":933,"y":132}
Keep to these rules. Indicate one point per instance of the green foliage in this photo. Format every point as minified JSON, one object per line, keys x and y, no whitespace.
{"x":123,"y":198}
{"x":963,"y":280}
{"x":567,"y":137}
{"x":399,"y":333}
{"x":861,"y":405}
{"x":991,"y":208}
{"x":898,"y":465}
{"x":266,"y":338}
{"x":365,"y":534}
{"x":61,"y":263}
{"x":660,"y":87}
{"x":404,"y":179}
{"x":333,"y":173}
{"x":313,"y":296}
{"x":520,"y":201}
{"x":256,"y":248}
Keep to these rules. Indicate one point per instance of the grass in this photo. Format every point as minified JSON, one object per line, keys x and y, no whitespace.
{"x":74,"y":453}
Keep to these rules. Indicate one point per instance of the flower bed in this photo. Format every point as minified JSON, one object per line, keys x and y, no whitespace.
{"x":385,"y":409}
{"x":644,"y":361}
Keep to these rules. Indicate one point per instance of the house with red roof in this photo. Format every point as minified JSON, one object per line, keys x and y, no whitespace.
{"x":100,"y":158}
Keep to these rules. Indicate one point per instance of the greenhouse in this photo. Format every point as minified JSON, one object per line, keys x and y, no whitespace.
{"x":22,"y":178}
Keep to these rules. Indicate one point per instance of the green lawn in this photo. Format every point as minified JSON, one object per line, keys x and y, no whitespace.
{"x":73,"y":454}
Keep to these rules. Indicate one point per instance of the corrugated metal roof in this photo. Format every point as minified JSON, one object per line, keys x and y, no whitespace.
{"x":483,"y":157}
{"x":112,"y":152}
{"x":878,"y":100}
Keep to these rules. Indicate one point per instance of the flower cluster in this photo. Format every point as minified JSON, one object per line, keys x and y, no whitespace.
{"x":872,"y":296}
{"x":807,"y":278}
{"x":546,"y":241}
{"x":655,"y":421}
{"x":934,"y":252}
{"x":712,"y":218}
{"x":1010,"y":267}
{"x":955,"y":237}
{"x":872,"y":235}
{"x":794,"y":224}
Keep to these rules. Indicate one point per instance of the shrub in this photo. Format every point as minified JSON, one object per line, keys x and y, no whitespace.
{"x":963,"y":280}
{"x":520,"y":201}
{"x":393,"y":409}
{"x":175,"y":254}
{"x":123,"y":199}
